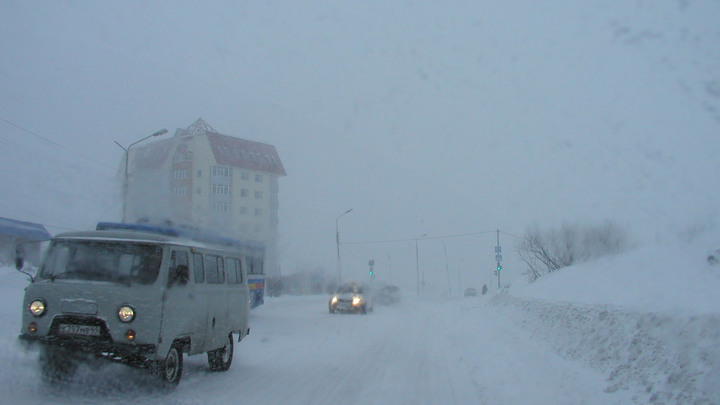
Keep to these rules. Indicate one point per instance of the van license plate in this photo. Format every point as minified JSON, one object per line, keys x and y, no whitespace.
{"x":83,"y":330}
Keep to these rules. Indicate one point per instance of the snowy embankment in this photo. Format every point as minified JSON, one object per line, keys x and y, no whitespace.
{"x":649,"y":320}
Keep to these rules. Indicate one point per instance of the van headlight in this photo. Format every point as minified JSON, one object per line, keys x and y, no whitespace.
{"x":37,"y":308}
{"x":334,"y":300}
{"x":357,"y":301}
{"x":126,"y":313}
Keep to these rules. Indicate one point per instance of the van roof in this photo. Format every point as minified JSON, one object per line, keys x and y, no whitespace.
{"x":196,"y":234}
{"x":135,"y":236}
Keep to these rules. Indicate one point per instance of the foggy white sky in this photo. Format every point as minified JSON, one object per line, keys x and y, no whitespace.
{"x":424,"y":117}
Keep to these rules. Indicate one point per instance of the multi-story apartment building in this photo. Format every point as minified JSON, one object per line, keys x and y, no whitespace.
{"x":204,"y":179}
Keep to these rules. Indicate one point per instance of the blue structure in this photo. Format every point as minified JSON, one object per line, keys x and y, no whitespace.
{"x":181,"y":232}
{"x":27,"y":236}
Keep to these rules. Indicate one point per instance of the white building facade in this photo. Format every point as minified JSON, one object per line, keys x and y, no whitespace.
{"x":208,"y":180}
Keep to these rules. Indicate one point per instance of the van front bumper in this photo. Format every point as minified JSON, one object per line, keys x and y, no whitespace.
{"x":88,"y":345}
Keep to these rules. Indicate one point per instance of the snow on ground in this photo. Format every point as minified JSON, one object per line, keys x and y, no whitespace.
{"x":582,"y":335}
{"x":649,"y":317}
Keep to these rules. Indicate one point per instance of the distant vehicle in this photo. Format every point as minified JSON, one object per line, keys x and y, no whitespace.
{"x":388,"y":295}
{"x":140,"y":295}
{"x":351,"y":297}
{"x":470,"y":292}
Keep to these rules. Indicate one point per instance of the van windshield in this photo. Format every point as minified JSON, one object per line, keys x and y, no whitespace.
{"x":118,"y":262}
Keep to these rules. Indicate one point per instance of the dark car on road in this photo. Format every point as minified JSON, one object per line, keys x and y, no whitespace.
{"x":351,"y":297}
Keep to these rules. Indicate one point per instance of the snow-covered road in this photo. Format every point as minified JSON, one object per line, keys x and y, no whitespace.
{"x":424,"y":351}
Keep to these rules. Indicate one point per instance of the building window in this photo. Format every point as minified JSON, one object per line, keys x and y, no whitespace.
{"x":220,"y":189}
{"x":180,"y":174}
{"x":258,"y":212}
{"x":258,"y":178}
{"x":258,"y":195}
{"x":244,"y":192}
{"x":221,"y":206}
{"x":180,"y":191}
{"x":220,"y":171}
{"x":243,"y":210}
{"x":244,"y":176}
{"x":183,"y":157}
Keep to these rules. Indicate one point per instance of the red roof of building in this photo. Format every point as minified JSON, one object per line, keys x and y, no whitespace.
{"x":236,"y":152}
{"x":227,"y":150}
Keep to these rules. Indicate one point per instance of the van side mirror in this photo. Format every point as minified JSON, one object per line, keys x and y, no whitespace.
{"x":20,"y":263}
{"x":19,"y":257}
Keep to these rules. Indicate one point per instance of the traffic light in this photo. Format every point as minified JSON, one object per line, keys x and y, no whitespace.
{"x":499,"y":267}
{"x":371,"y":273}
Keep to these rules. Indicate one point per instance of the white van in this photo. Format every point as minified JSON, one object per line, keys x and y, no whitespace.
{"x":142,"y":296}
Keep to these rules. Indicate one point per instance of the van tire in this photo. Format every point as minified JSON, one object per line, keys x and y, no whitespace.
{"x":170,"y":369}
{"x":221,"y":359}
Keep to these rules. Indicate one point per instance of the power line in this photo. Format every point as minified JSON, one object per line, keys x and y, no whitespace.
{"x":511,"y":235}
{"x":55,"y":143}
{"x":460,"y":235}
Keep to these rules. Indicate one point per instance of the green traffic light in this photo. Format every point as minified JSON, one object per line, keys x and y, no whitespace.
{"x":499,"y":267}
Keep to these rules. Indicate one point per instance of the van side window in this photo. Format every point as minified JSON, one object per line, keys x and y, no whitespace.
{"x":199,"y":268}
{"x":238,"y":269}
{"x":234,"y":271}
{"x":256,"y":265}
{"x":214,"y":269}
{"x":231,"y":274}
{"x":179,"y":270}
{"x":221,"y":269}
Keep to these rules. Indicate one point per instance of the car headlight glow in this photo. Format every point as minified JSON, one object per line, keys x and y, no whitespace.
{"x":37,"y":307}
{"x":126,"y":313}
{"x":334,"y":300}
{"x":356,"y":300}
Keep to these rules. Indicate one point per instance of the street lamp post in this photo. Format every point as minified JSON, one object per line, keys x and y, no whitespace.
{"x":337,"y":245}
{"x":127,"y":156}
{"x":417,"y":261}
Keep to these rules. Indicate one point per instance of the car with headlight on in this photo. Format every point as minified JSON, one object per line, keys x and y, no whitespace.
{"x":139,"y":295}
{"x":351,"y":297}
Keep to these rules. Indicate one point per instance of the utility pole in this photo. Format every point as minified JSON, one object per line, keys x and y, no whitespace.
{"x":447,"y":271}
{"x":337,"y":245}
{"x":498,"y":257}
{"x":417,"y":266}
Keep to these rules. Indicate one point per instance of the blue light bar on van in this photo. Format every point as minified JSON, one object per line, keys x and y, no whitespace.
{"x":190,"y":233}
{"x":163,"y":230}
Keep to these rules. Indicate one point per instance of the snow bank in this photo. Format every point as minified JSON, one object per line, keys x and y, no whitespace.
{"x":664,"y":358}
{"x":649,"y":319}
